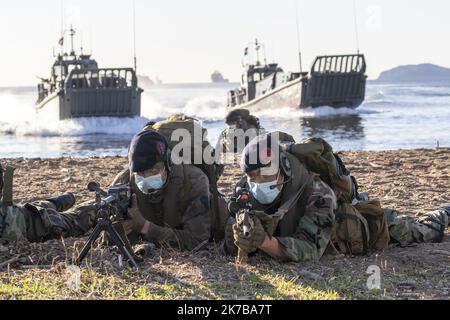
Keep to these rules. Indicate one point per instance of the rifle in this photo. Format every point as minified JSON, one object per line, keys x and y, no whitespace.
{"x":113,"y":203}
{"x":241,"y":209}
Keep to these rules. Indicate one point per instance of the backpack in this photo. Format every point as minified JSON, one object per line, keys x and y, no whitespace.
{"x":318,"y":156}
{"x":212,"y":170}
{"x":360,"y":226}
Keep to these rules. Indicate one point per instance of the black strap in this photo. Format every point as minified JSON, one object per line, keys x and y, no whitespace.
{"x":7,"y":193}
{"x":288,"y":205}
{"x":365,"y":239}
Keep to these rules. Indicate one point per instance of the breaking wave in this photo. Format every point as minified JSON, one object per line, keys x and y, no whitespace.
{"x":321,"y":112}
{"x":206,"y":108}
{"x":21,"y":119}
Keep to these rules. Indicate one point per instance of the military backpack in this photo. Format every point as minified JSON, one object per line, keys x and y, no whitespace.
{"x":360,"y":225}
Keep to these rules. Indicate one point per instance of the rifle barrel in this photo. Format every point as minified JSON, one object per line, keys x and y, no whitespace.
{"x":107,"y":201}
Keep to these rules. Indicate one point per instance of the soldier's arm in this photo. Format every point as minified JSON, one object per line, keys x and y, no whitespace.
{"x":313,"y":232}
{"x":196,"y":226}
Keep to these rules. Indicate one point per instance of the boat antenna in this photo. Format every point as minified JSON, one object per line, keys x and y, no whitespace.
{"x":355,"y":18}
{"x":298,"y":36}
{"x":257,"y":48}
{"x":62,"y":27}
{"x":134,"y":35}
{"x":72,"y":34}
{"x":61,"y":42}
{"x":90,"y":39}
{"x":81,"y":41}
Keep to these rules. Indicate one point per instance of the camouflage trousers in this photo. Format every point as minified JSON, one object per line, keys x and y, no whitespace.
{"x":40,"y":221}
{"x":429,"y":227}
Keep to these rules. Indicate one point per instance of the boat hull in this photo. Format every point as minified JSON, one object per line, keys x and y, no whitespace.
{"x":286,"y":96}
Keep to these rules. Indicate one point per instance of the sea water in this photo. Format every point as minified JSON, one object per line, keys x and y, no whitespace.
{"x":393,"y":116}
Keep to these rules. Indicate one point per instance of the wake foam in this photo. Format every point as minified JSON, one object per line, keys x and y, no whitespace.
{"x":379,"y":98}
{"x":206,"y":108}
{"x":288,"y":113}
{"x":76,"y":127}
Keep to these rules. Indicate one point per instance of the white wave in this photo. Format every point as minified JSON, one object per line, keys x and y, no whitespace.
{"x":377,"y":99}
{"x":151,"y":108}
{"x":21,"y":119}
{"x":76,"y":127}
{"x":206,"y":108}
{"x":288,"y":113}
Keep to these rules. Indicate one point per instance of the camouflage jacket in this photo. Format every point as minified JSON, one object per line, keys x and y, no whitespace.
{"x":304,"y":232}
{"x":180,"y":213}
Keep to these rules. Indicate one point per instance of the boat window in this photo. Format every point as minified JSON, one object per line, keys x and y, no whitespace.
{"x":256,"y":77}
{"x":59,"y":71}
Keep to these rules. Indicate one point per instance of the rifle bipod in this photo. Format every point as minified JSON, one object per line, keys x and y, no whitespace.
{"x":105,"y":224}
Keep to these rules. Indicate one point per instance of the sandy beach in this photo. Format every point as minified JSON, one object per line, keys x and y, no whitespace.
{"x":411,"y":181}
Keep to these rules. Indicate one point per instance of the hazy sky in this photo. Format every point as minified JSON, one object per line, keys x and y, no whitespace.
{"x":184,"y":41}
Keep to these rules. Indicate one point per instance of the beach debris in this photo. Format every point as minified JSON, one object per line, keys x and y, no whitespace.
{"x":443,"y":252}
{"x":310,"y":274}
{"x":10,"y":261}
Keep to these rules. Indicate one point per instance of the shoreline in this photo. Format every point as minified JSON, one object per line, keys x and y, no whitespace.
{"x":383,"y":174}
{"x":8,"y":158}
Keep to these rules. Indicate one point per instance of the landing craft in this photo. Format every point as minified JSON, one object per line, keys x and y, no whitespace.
{"x":335,"y":81}
{"x":82,"y":89}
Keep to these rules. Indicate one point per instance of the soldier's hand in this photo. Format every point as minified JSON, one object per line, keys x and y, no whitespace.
{"x":252,"y":243}
{"x":137,"y":221}
{"x":266,"y":221}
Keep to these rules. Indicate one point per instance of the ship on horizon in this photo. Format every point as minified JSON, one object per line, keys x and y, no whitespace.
{"x":217,"y":77}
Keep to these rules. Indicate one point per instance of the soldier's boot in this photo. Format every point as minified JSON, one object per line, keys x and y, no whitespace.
{"x":63,"y":202}
{"x":437,"y":221}
{"x":446,"y":208}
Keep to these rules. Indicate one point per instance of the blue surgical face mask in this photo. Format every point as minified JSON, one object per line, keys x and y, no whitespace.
{"x":151,"y":183}
{"x":265,"y":193}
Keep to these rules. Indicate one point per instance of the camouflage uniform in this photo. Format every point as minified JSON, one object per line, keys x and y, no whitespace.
{"x":305,"y":230}
{"x":40,"y":221}
{"x":248,"y":127}
{"x":429,"y":227}
{"x":180,"y":214}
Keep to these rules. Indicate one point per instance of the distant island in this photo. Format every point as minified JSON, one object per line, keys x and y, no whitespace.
{"x":415,"y":73}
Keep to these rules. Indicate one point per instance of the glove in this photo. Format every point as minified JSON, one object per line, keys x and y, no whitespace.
{"x":137,"y":221}
{"x":254,"y":242}
{"x":266,"y":221}
{"x":229,"y":246}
